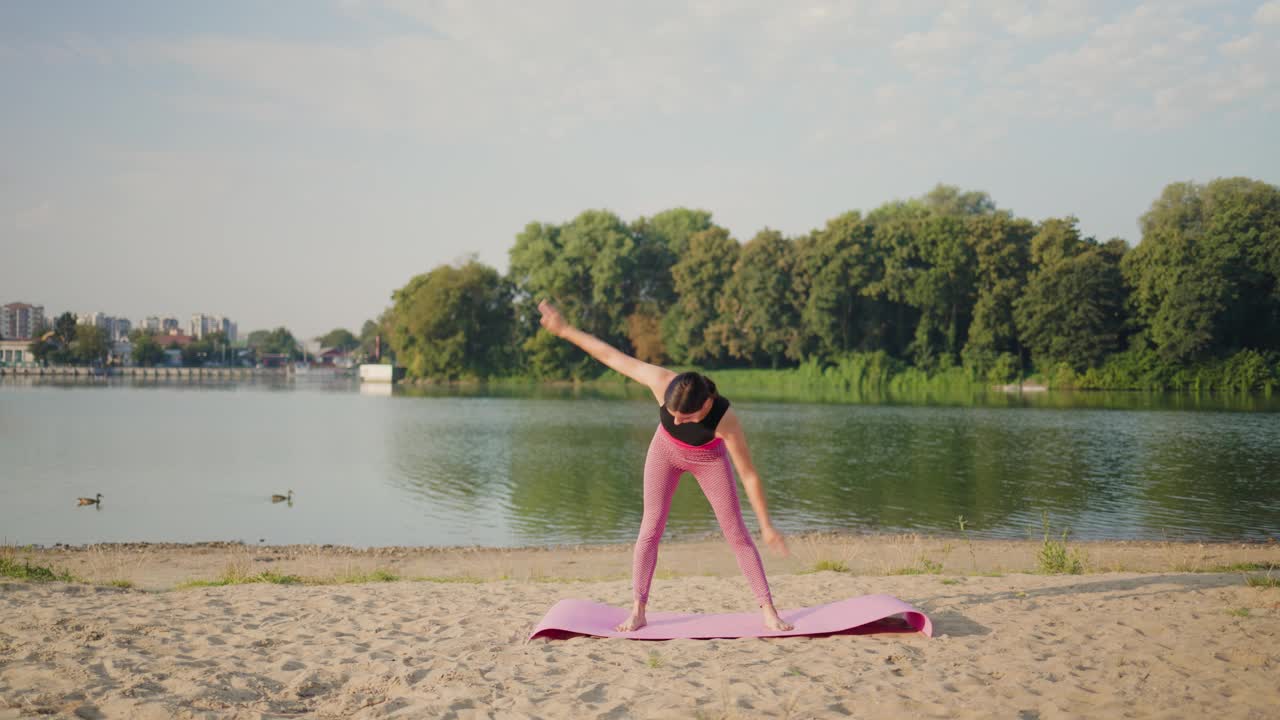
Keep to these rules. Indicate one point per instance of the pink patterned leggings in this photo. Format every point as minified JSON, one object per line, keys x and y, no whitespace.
{"x":667,"y":460}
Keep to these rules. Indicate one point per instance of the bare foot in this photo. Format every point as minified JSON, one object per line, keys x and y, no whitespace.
{"x":634,"y":622}
{"x":773,"y":622}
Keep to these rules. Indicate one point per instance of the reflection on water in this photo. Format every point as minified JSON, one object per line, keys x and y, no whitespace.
{"x":514,"y":466}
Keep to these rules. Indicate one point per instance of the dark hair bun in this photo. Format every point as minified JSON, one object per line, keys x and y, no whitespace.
{"x":688,"y":392}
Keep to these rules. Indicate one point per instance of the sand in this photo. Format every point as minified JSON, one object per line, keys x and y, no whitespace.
{"x":1171,"y":643}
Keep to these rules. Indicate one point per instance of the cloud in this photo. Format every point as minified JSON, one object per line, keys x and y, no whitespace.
{"x":1044,"y":20}
{"x":1153,"y":65}
{"x":495,"y":70}
{"x":465,"y":74}
{"x":1268,"y":13}
{"x":1239,"y":46}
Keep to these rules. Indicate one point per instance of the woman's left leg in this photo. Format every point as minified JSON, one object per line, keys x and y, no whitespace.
{"x":717,"y":483}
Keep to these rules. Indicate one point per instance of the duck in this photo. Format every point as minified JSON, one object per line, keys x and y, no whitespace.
{"x":282,"y":498}
{"x":90,"y":501}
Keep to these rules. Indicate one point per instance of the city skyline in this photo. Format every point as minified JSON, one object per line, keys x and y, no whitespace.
{"x":295,"y":164}
{"x":119,"y":326}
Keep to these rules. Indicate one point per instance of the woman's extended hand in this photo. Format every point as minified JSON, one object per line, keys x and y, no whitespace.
{"x":551,"y":318}
{"x":775,"y":541}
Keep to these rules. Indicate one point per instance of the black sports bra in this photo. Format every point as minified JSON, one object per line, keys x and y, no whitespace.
{"x":699,"y":433}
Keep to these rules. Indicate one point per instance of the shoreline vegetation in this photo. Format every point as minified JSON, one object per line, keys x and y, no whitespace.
{"x":177,"y":566}
{"x":876,"y":374}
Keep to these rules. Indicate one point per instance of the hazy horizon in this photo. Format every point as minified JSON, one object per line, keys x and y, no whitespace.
{"x":294,"y":163}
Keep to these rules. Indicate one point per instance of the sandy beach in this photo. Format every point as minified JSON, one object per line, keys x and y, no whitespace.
{"x":1150,"y":630}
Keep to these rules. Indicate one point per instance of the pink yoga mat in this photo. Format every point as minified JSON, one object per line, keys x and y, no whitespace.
{"x":859,"y":615}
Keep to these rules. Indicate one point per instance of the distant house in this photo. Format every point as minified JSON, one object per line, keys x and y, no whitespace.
{"x":15,"y":353}
{"x":121,"y":353}
{"x":334,"y":357}
{"x":174,"y":338}
{"x":273,"y":360}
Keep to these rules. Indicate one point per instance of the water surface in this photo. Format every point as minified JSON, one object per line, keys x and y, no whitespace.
{"x":193,"y":462}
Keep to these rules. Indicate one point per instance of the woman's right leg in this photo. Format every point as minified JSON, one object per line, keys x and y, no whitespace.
{"x":661,"y":476}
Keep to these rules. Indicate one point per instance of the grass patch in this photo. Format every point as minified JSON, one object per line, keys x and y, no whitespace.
{"x":122,"y":584}
{"x":234,"y":576}
{"x":466,"y":579}
{"x":832,"y":565}
{"x":1244,"y":567}
{"x":964,"y":530}
{"x":923,"y":566}
{"x":1239,"y":612}
{"x":11,"y":567}
{"x":655,"y":660}
{"x":1261,"y":582}
{"x":373,"y":576}
{"x":950,"y":581}
{"x":1054,"y":557}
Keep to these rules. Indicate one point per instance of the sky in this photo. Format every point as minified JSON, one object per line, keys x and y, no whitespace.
{"x":294,"y":162}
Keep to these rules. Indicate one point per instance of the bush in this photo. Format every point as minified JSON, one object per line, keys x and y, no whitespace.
{"x":1005,"y":369}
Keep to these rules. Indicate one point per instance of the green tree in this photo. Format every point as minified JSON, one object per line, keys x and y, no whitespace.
{"x":929,"y":267}
{"x":1206,"y":276}
{"x":1002,"y":249}
{"x":276,"y":342}
{"x":453,"y":322}
{"x":757,"y":319}
{"x":698,"y":280}
{"x":661,"y":241}
{"x":369,"y":332}
{"x":64,"y":329}
{"x":146,"y":351}
{"x":42,"y":348}
{"x":340,"y":339}
{"x":212,"y":348}
{"x":951,"y":200}
{"x":1072,"y":310}
{"x":91,"y":345}
{"x":195,"y":353}
{"x":55,"y":344}
{"x":833,"y":269}
{"x":588,"y":268}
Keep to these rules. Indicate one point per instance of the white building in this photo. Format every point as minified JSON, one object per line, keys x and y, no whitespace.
{"x":121,"y":352}
{"x":15,"y":352}
{"x":115,"y":327}
{"x":202,"y":325}
{"x":161,"y":326}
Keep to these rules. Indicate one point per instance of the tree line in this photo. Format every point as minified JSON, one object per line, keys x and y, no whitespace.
{"x":946,"y":282}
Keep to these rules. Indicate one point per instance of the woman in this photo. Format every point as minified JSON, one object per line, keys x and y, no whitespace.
{"x":696,"y":427}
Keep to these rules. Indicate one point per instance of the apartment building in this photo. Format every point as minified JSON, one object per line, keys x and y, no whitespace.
{"x":202,"y":325}
{"x":18,"y":320}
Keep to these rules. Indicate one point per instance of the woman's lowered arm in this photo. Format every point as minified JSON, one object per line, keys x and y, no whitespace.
{"x":735,"y":440}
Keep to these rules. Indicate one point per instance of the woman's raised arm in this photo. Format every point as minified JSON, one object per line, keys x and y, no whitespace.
{"x":654,"y":377}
